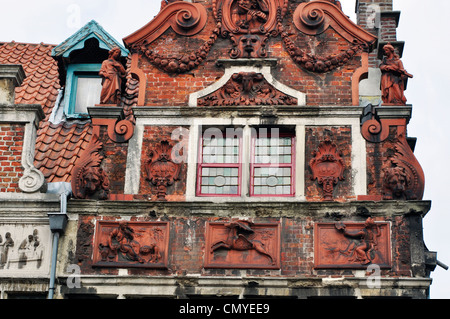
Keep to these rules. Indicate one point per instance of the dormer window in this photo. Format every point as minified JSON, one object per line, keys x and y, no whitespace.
{"x":83,"y":88}
{"x":80,"y":59}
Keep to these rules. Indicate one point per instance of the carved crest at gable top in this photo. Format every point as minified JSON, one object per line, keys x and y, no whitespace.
{"x":248,"y":25}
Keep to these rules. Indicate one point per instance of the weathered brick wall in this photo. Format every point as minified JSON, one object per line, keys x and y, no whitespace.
{"x":377,"y":156}
{"x":11,"y":144}
{"x":187,"y":247}
{"x":375,"y":17}
{"x":114,"y":162}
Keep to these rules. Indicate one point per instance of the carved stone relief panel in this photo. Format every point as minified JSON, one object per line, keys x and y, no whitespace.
{"x":352,"y":245}
{"x":24,"y":249}
{"x":327,"y":167}
{"x":242,"y":244}
{"x":247,"y":88}
{"x":131,"y":244}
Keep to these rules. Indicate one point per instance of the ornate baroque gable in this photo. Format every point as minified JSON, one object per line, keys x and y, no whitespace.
{"x":317,"y":36}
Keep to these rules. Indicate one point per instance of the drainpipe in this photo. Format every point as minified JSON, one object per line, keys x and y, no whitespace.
{"x":58,"y":223}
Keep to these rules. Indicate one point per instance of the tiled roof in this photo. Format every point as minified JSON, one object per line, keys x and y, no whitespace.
{"x":59,"y":146}
{"x":42,"y":82}
{"x":131,"y":94}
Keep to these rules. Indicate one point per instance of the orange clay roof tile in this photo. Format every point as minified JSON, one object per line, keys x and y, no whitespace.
{"x":40,"y":69}
{"x":58,"y":146}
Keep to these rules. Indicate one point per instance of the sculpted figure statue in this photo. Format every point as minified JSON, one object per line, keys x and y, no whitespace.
{"x":250,"y":13}
{"x":393,"y":78}
{"x":112,"y":73}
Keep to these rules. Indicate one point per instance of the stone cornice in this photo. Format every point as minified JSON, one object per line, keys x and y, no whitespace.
{"x":247,"y":111}
{"x":252,"y":209}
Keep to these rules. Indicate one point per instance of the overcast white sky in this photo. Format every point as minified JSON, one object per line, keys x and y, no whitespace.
{"x":422,"y":25}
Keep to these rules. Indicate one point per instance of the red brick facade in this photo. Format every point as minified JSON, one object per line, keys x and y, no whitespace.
{"x":11,"y":144}
{"x":349,"y":166}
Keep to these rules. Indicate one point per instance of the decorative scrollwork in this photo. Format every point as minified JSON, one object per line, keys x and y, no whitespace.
{"x":32,"y":180}
{"x":314,"y":18}
{"x":123,"y":131}
{"x":183,"y":62}
{"x":89,"y":181}
{"x":184,"y":18}
{"x":403,"y":176}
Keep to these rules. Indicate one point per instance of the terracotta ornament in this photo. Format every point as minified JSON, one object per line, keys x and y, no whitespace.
{"x":131,"y":244}
{"x":394,"y":78}
{"x":249,"y":24}
{"x":164,"y":3}
{"x":249,"y":15}
{"x":352,"y":245}
{"x":119,"y":130}
{"x":327,"y":167}
{"x":247,"y":88}
{"x":242,"y":244}
{"x":403,"y":176}
{"x":161,"y":170}
{"x":337,"y":3}
{"x":315,"y":17}
{"x":113,"y":73}
{"x":89,"y":181}
{"x":184,"y":18}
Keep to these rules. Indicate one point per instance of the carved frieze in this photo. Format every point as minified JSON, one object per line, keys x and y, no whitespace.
{"x":24,"y":249}
{"x":162,"y":171}
{"x":131,"y":244}
{"x":247,"y":88}
{"x":327,"y":168}
{"x":352,"y":245}
{"x":242,"y":244}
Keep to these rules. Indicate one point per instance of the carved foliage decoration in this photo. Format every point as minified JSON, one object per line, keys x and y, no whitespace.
{"x":327,"y":167}
{"x":352,"y":245}
{"x":242,"y":244}
{"x":161,"y":170}
{"x":247,"y":88}
{"x":184,"y":18}
{"x":249,"y":24}
{"x":403,"y":176}
{"x":131,"y":244}
{"x":315,"y":17}
{"x":89,"y":181}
